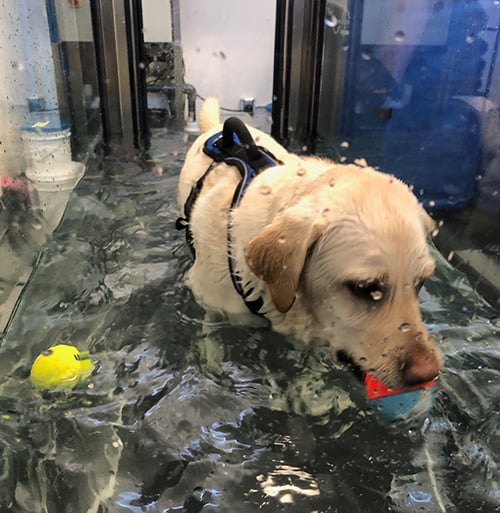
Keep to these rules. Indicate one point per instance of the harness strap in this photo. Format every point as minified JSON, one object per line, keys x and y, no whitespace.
{"x":182,"y":223}
{"x":234,"y":146}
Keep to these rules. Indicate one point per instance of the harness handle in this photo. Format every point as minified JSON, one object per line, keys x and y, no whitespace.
{"x":235,"y":127}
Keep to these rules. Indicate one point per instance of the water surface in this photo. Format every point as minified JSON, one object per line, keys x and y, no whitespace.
{"x":185,"y":414}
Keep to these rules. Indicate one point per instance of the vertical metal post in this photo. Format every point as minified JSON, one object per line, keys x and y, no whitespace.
{"x":178,"y":78}
{"x":310,"y":73}
{"x":282,"y":66}
{"x":117,"y":26}
{"x":297,"y":75}
{"x":137,"y":68}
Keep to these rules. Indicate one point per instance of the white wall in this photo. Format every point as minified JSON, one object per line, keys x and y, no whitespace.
{"x":228,"y":48}
{"x":157,"y":21}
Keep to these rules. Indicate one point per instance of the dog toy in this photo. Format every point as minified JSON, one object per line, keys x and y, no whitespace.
{"x":396,"y":403}
{"x":61,"y":367}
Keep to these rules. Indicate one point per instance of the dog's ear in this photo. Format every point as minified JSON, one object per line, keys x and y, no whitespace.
{"x":277,"y":256}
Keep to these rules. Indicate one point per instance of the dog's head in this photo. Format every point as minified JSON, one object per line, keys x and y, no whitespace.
{"x":352,"y":250}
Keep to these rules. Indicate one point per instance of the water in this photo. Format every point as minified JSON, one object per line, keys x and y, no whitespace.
{"x":188,"y":414}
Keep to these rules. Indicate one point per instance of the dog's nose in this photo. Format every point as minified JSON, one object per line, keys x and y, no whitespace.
{"x":421,"y":366}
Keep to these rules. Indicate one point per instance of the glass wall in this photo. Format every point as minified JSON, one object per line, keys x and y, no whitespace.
{"x":419,"y":96}
{"x":411,"y":87}
{"x":51,"y":121}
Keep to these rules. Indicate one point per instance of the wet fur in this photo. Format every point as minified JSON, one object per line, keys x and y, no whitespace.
{"x":316,"y":240}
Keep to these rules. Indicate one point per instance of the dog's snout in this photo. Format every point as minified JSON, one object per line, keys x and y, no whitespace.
{"x":422,"y":363}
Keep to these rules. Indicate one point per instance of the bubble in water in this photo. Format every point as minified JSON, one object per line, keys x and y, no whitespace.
{"x":399,"y":36}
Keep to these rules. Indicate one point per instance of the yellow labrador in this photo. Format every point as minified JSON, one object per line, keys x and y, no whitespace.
{"x":328,"y":252}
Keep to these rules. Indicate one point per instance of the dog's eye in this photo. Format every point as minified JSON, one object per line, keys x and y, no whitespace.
{"x":367,"y":290}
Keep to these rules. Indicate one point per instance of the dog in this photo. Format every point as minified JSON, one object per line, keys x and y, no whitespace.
{"x":330,"y":253}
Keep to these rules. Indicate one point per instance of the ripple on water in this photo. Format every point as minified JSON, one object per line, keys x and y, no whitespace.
{"x":183,"y":414}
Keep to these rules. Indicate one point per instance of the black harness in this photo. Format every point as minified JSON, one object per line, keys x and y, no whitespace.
{"x":234,"y":146}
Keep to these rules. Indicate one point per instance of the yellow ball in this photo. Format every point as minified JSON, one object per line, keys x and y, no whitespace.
{"x":61,"y":367}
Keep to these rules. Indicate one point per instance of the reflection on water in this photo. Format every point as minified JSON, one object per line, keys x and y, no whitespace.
{"x":187,"y":415}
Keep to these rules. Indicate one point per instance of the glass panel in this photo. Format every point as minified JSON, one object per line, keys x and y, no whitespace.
{"x":49,"y":105}
{"x":412,"y":87}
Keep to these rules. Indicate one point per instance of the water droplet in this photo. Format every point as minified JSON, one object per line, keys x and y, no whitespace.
{"x":344,"y":144}
{"x":142,"y":65}
{"x":366,"y":55}
{"x":345,"y":48}
{"x":19,"y":66}
{"x":265,"y":190}
{"x":361,"y":162}
{"x":399,"y":36}
{"x":432,"y":203}
{"x":404,"y":327}
{"x":435,"y":233}
{"x":305,"y":148}
{"x":470,"y":38}
{"x":450,"y":256}
{"x":377,"y":295}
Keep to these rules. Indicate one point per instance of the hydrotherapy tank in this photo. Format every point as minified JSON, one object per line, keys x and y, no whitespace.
{"x":99,"y":102}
